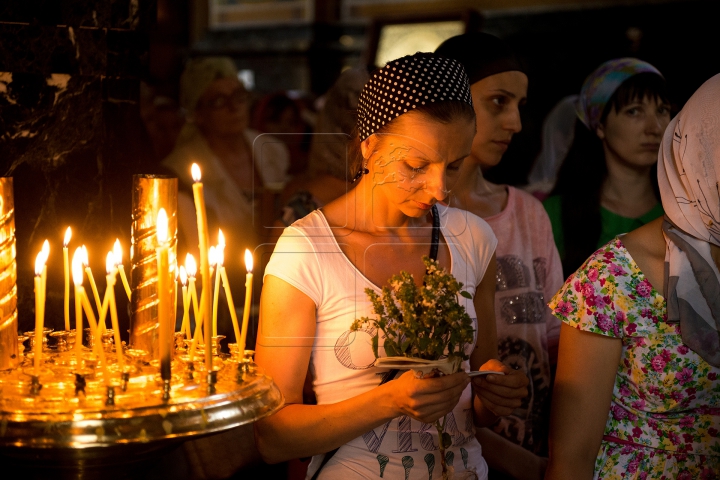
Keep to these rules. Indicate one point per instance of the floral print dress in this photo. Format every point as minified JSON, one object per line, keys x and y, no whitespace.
{"x":664,"y":417}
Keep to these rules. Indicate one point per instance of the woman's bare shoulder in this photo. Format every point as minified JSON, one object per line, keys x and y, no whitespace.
{"x":646,"y":246}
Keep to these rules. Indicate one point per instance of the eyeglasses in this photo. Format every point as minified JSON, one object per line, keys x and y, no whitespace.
{"x":238,"y":98}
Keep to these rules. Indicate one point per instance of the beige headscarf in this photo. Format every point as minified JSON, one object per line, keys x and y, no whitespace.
{"x":199,"y":73}
{"x":328,"y":149}
{"x":689,"y":175}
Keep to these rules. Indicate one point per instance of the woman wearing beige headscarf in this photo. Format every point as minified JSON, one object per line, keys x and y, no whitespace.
{"x":236,"y":162}
{"x":636,"y":393}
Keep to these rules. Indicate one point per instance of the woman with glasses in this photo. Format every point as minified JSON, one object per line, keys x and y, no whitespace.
{"x":235,"y":161}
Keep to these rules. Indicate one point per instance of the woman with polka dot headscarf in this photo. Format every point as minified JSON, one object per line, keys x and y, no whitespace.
{"x":415,"y":127}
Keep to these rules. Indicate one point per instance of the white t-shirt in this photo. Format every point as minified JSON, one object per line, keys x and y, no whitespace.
{"x":308,"y":257}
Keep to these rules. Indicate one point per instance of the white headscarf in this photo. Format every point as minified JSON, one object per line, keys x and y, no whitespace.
{"x":558,"y":132}
{"x":689,"y":175}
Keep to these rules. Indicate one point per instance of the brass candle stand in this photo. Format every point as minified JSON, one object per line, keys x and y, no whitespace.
{"x":77,"y":421}
{"x":79,"y":414}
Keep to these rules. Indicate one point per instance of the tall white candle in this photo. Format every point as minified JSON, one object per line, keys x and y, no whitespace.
{"x":248,"y":301}
{"x":163,"y":288}
{"x":117,"y":253}
{"x":39,"y":310}
{"x":205,"y":306}
{"x":91,"y":279}
{"x":66,"y":265}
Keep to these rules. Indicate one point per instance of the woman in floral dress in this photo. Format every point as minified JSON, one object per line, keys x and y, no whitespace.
{"x":636,"y":394}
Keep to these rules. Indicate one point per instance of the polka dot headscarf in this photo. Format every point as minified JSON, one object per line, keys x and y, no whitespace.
{"x":408,"y":83}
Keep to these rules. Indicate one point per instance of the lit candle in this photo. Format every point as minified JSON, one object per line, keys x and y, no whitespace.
{"x":175,"y":274}
{"x":109,"y":285}
{"x":66,"y":264}
{"x":163,"y":288}
{"x":43,"y":275}
{"x":91,"y":279}
{"x":205,"y":306}
{"x":110,"y":268}
{"x":117,"y":253}
{"x":213,"y":258}
{"x":83,"y":304}
{"x":77,"y":280}
{"x":191,"y":267}
{"x":231,"y":304}
{"x":184,"y":326}
{"x":248,"y":301}
{"x":39,"y":309}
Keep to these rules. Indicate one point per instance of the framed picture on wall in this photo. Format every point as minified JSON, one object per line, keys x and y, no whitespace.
{"x":228,"y":14}
{"x":394,"y":37}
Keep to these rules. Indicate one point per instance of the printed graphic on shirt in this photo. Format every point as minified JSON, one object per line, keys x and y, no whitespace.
{"x":526,"y":307}
{"x":518,"y":427}
{"x":511,"y":273}
{"x":351,"y":349}
{"x":540,"y":269}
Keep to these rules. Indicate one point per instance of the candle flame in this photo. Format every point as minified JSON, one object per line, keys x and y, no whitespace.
{"x":85,"y":259}
{"x":77,"y":267}
{"x":183,"y":276}
{"x":46,"y":250}
{"x":39,"y":263}
{"x":117,"y":252}
{"x":221,"y":240}
{"x":190,"y":265}
{"x":162,"y":226}
{"x":68,"y":236}
{"x":248,"y":261}
{"x":220,"y":255}
{"x":195,"y":170}
{"x":212,"y":256}
{"x":110,"y":263}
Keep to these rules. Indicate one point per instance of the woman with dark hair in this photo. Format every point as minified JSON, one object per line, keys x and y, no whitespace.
{"x":606,"y":185}
{"x":636,"y":392}
{"x":528,"y":266}
{"x":415,"y":127}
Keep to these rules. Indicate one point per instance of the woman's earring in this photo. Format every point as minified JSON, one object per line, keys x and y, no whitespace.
{"x":363,"y":170}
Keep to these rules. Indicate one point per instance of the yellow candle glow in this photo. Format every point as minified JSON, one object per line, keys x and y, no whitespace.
{"x":213,"y":258}
{"x":111,"y":273}
{"x":77,"y":273}
{"x":163,"y":288}
{"x":191,"y":268}
{"x":228,"y":294}
{"x":91,"y":279}
{"x":205,"y":306}
{"x":97,"y":345}
{"x":46,"y":254}
{"x":117,"y":253}
{"x":185,"y":325}
{"x":173,"y":305}
{"x":111,"y":270}
{"x":66,"y":265}
{"x":248,"y":301}
{"x":39,"y":309}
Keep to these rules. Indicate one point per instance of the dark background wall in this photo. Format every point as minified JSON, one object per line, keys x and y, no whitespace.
{"x":70,"y":132}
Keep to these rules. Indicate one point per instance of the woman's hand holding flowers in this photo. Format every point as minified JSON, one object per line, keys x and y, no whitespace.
{"x":427,"y":399}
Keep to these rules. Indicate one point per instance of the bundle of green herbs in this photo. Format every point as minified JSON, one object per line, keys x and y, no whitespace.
{"x":422,"y":322}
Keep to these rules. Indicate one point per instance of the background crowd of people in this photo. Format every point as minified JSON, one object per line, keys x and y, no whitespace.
{"x":272,"y":160}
